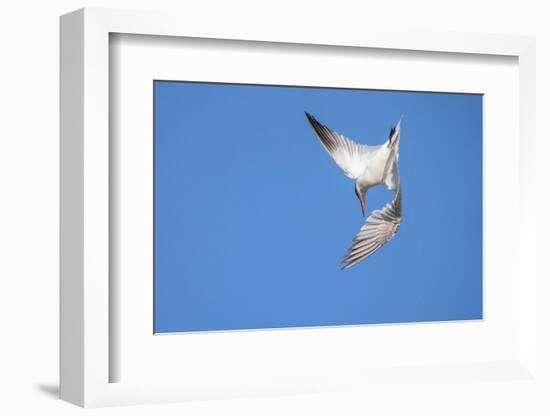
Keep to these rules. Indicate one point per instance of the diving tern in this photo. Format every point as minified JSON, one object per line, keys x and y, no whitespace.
{"x":369,"y":166}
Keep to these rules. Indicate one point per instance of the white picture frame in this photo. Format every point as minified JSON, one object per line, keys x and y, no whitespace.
{"x":87,"y":302}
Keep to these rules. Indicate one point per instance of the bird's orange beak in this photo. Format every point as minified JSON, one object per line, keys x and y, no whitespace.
{"x":363,"y":206}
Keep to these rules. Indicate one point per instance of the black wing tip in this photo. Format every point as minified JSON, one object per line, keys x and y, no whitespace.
{"x":322,"y":132}
{"x":310,"y":117}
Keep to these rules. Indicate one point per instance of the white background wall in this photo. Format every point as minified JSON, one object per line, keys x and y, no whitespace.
{"x":29,"y":190}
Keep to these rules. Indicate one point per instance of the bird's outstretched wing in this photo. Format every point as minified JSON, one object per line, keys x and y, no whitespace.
{"x":380,"y":228}
{"x":391,"y":171}
{"x":348,"y":155}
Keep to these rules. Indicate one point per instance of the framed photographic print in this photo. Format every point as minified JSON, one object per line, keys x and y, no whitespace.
{"x":240,"y":178}
{"x":273,"y":213}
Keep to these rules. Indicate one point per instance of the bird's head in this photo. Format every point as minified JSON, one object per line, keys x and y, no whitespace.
{"x":361,"y":193}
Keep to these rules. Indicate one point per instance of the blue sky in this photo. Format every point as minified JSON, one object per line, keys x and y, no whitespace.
{"x":252,"y":216}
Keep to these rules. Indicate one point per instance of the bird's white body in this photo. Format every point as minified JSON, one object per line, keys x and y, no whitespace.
{"x":380,"y":167}
{"x":369,"y":166}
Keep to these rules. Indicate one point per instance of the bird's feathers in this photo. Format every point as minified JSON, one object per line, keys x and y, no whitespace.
{"x":347,"y":154}
{"x":369,"y":166}
{"x":379,"y":228}
{"x":391,"y":172}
